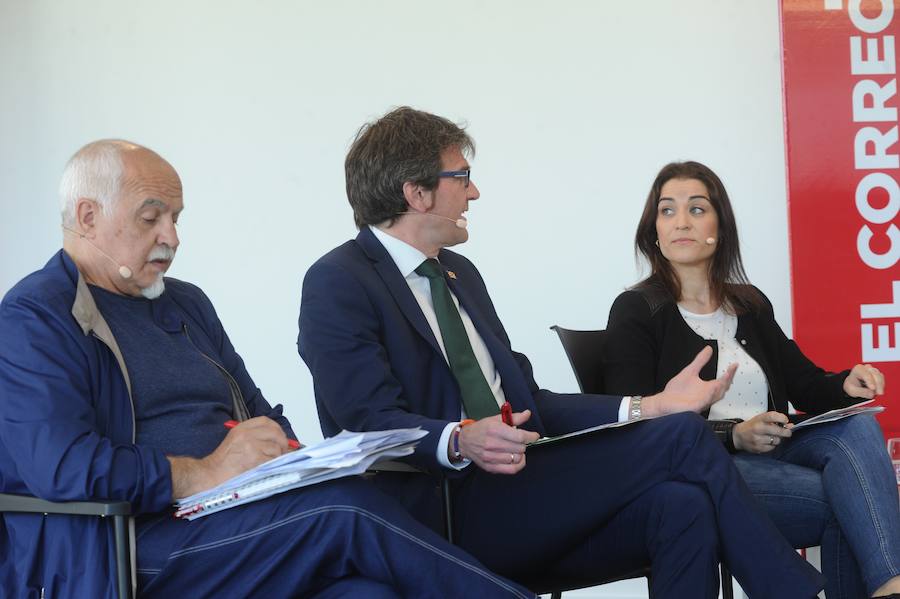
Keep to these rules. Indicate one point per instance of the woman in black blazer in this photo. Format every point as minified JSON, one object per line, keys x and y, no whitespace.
{"x":831,"y":484}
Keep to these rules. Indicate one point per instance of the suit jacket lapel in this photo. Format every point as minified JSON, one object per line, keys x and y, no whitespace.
{"x":514,"y":386}
{"x":396,"y":284}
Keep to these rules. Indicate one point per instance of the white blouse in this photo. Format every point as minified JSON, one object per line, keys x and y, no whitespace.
{"x":749,"y":393}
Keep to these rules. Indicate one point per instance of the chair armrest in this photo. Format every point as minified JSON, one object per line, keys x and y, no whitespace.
{"x":23,"y":503}
{"x":394,"y":466}
{"x":117,"y":510}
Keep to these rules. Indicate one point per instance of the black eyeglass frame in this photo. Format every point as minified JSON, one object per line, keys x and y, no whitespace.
{"x":463,"y":174}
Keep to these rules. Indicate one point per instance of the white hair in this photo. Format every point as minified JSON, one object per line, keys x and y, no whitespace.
{"x":160,"y":252}
{"x":155,"y":289}
{"x":93,"y":172}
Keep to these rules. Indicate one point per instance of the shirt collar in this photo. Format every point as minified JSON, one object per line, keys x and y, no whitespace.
{"x":406,"y":257}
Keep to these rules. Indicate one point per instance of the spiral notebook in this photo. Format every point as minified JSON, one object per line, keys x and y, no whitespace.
{"x":345,"y":454}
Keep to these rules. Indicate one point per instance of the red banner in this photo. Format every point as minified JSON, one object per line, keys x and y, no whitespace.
{"x":843,"y":164}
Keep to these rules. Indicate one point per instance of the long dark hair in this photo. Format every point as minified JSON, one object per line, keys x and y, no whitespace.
{"x":728,"y":282}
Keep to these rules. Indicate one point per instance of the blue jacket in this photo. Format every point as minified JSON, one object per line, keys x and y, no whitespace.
{"x":67,"y":425}
{"x":377,"y":365}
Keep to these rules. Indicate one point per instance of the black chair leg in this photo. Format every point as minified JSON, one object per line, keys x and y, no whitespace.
{"x":556,"y":595}
{"x":727,"y":586}
{"x":448,"y":509}
{"x":123,"y":572}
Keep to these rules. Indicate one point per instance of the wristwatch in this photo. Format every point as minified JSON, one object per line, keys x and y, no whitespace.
{"x":634,"y":407}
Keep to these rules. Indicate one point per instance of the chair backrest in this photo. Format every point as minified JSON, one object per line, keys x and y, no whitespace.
{"x":585,"y":352}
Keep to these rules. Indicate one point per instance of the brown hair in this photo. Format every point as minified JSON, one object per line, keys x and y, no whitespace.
{"x":403,"y":145}
{"x":728,"y":282}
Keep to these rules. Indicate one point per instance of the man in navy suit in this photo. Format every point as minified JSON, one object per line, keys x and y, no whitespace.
{"x":398,"y":331}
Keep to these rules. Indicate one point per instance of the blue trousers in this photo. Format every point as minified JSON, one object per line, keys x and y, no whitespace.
{"x":833,"y":485}
{"x":662,"y":492}
{"x":338,"y":539}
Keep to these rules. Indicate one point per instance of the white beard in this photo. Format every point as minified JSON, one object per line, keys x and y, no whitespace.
{"x":155,"y":289}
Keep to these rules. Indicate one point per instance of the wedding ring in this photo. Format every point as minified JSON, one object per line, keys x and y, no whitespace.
{"x":771,"y":439}
{"x":512,"y":458}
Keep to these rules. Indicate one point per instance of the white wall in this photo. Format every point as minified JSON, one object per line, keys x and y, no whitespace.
{"x":574,"y":107}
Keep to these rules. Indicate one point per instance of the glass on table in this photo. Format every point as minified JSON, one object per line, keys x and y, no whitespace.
{"x":893,"y":447}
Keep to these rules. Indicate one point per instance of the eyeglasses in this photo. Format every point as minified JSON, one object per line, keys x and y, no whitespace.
{"x":465,"y":175}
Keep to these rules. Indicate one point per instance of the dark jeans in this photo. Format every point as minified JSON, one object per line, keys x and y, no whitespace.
{"x":833,"y":485}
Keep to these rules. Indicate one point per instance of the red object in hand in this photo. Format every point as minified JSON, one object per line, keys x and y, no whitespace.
{"x":291,"y":442}
{"x":506,"y":413}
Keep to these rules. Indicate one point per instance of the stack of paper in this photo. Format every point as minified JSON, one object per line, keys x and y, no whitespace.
{"x":345,"y":454}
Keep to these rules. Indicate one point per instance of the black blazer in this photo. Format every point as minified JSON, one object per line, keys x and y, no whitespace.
{"x":648,"y":342}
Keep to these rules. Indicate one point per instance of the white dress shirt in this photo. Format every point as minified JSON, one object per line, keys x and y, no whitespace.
{"x":407,"y":259}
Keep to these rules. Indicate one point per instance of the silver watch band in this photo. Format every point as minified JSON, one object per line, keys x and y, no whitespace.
{"x":634,"y":407}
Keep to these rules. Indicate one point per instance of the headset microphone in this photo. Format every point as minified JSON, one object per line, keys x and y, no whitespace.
{"x":461,"y":222}
{"x":124,"y":271}
{"x":710,"y":240}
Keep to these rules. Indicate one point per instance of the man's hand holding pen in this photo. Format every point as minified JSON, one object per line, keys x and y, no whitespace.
{"x":246,"y":446}
{"x":496,"y":446}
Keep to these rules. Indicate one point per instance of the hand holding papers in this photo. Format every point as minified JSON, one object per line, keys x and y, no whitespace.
{"x":838,"y":414}
{"x":584,"y":431}
{"x":345,"y":454}
{"x":801,"y":421}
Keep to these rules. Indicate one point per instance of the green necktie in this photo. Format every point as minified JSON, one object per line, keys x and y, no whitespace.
{"x":477,"y":397}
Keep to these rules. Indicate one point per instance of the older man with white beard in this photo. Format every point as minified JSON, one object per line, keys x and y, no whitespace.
{"x":111,"y":174}
{"x":115,"y":383}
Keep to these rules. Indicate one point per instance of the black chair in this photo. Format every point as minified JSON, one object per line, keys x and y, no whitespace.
{"x":403,"y":467}
{"x":119,"y":511}
{"x":583,"y":349}
{"x":585,"y":352}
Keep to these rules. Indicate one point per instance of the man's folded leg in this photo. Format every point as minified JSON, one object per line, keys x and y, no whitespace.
{"x":572,"y":488}
{"x":354,"y":586}
{"x":304,"y":540}
{"x":672,"y":527}
{"x":758,"y":555}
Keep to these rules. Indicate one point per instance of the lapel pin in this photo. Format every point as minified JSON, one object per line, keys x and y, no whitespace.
{"x":451,"y":274}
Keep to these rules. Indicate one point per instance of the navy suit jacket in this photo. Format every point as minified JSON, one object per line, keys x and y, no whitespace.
{"x":376,"y":364}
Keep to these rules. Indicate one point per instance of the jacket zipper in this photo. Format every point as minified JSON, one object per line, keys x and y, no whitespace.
{"x":242,"y":411}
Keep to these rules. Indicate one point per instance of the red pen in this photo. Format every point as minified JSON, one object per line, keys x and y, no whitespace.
{"x":506,"y":413}
{"x":291,"y":442}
